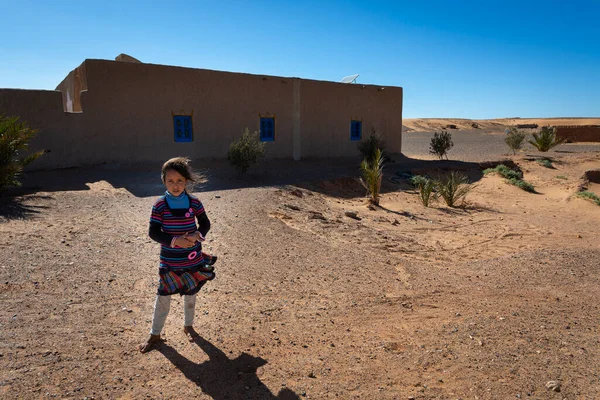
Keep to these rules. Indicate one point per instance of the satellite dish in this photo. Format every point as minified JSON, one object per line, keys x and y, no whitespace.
{"x":349,"y":79}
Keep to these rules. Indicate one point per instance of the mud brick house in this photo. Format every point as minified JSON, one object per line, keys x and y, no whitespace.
{"x":129,"y":111}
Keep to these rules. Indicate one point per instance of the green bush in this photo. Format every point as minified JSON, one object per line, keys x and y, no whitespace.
{"x":546,"y":139}
{"x":453,"y":188}
{"x":246,"y":151}
{"x":372,"y":174}
{"x":508,"y":173}
{"x":513,"y":177}
{"x":589,"y":196}
{"x":520,"y":183}
{"x":544,"y":162}
{"x":14,"y":139}
{"x":369,"y":146}
{"x":418,"y":180}
{"x":504,"y":172}
{"x":440,"y":144}
{"x":514,"y":139}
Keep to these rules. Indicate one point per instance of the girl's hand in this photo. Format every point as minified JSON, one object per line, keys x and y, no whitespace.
{"x":200,"y":238}
{"x":195,"y":236}
{"x":184,"y":242}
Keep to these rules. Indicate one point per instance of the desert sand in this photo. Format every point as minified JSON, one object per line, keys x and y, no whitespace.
{"x":492,"y":300}
{"x":498,"y":125}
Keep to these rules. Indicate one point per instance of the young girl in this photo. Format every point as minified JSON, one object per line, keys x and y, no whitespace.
{"x":184,"y":268}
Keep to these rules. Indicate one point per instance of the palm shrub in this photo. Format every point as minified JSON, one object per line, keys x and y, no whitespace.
{"x":546,"y":139}
{"x":369,"y":146}
{"x":14,"y":140}
{"x":514,"y":139}
{"x":453,"y":188}
{"x":440,"y":144}
{"x":246,"y":151}
{"x":372,"y":174}
{"x":426,"y":188}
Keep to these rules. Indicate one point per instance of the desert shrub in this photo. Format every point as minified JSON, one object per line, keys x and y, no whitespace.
{"x":474,"y":125}
{"x":369,"y":146}
{"x":417,"y":180}
{"x":513,"y":177}
{"x":372,"y":174}
{"x":246,"y":151}
{"x":589,"y":196}
{"x":514,"y":139}
{"x":561,"y":177}
{"x":546,"y":139}
{"x":14,"y":140}
{"x":504,"y":172}
{"x":440,"y":144}
{"x":453,"y":188}
{"x":521,"y":184}
{"x":427,"y":191}
{"x":544,"y":162}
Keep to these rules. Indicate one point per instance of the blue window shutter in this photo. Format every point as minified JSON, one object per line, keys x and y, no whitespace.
{"x":267,"y":129}
{"x":355,"y":130}
{"x":263,"y":128}
{"x":182,"y":126}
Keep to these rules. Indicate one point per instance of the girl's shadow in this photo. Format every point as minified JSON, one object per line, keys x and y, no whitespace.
{"x":222,"y":378}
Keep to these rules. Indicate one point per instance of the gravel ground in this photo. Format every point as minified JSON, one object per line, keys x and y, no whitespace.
{"x":478,"y":146}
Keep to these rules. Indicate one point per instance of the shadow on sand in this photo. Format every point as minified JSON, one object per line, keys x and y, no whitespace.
{"x":17,"y":205}
{"x":222,"y":378}
{"x":143,"y":180}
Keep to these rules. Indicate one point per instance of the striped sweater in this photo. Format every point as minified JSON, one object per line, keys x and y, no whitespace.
{"x":167,"y":223}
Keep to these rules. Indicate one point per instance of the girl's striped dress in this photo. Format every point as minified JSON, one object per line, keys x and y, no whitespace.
{"x":180,"y":269}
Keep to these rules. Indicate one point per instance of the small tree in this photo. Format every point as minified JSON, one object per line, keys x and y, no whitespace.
{"x":546,"y":139}
{"x":369,"y":146}
{"x":14,"y":139}
{"x":440,"y":144}
{"x":372,"y":174}
{"x":246,"y":151}
{"x":514,"y":139}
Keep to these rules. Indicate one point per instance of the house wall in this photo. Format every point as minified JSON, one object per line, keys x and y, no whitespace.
{"x":579,"y":133}
{"x":58,"y":132}
{"x":71,"y":87}
{"x":109,"y":111}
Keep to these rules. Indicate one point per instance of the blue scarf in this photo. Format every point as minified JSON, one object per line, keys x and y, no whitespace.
{"x":177,"y":202}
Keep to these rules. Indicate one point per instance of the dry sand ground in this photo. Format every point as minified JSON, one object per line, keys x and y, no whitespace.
{"x":487,"y":302}
{"x":489,"y":125}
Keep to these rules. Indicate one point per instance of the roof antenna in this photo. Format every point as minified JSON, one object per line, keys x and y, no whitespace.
{"x":349,"y":79}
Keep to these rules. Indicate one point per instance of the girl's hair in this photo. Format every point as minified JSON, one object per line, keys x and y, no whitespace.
{"x":179,"y":164}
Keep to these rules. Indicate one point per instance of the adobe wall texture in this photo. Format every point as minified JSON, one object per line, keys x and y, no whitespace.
{"x":581,"y":133}
{"x":71,"y":87}
{"x":122,"y":112}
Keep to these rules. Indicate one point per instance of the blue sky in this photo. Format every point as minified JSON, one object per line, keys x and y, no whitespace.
{"x":464,"y":59}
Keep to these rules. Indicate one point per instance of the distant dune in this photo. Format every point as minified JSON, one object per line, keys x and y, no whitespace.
{"x":499,"y":124}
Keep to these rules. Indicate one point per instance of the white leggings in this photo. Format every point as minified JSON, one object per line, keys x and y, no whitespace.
{"x":161,"y":310}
